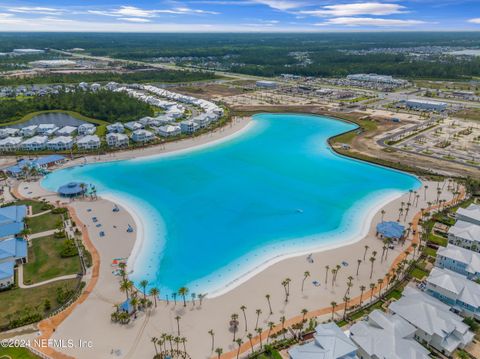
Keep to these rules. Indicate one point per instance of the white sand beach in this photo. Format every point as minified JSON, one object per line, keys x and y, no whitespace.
{"x":90,"y":320}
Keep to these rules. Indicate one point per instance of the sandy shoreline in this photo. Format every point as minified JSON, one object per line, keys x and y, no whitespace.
{"x":91,"y":319}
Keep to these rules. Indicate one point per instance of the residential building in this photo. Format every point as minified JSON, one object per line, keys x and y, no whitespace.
{"x":60,"y":143}
{"x":117,"y":140}
{"x":66,"y":131}
{"x":133,"y":125}
{"x":426,"y":105}
{"x":8,"y":131}
{"x":7,"y":274}
{"x":28,"y":131}
{"x":10,"y":143}
{"x":266,"y":84}
{"x":459,"y":260}
{"x":188,"y":126}
{"x":36,"y":143}
{"x":470,"y":214}
{"x":466,"y":235}
{"x":169,"y":130}
{"x":460,"y":293}
{"x":12,"y":251}
{"x":116,"y":127}
{"x":47,"y":129}
{"x":385,"y":335}
{"x":11,"y":220}
{"x":142,"y":136}
{"x":88,"y":142}
{"x":329,"y":343}
{"x":86,"y":129}
{"x":435,"y":324}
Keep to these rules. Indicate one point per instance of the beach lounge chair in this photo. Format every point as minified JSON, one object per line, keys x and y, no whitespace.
{"x":102,"y":234}
{"x":316,"y":283}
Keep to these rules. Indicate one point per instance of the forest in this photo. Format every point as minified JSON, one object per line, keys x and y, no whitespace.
{"x":270,"y":54}
{"x":150,"y":76}
{"x":102,"y":105}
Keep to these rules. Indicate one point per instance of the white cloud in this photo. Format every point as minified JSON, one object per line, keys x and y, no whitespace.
{"x":369,"y":21}
{"x":135,"y":12}
{"x":133,"y":19}
{"x":35,"y":10}
{"x":475,"y":21}
{"x":281,"y":4}
{"x":366,"y":8}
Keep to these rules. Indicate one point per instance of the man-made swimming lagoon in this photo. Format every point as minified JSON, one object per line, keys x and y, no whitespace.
{"x":212,"y":214}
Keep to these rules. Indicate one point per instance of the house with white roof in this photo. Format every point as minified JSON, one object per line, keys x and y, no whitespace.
{"x":465,"y":234}
{"x":28,"y":131}
{"x":117,"y":140}
{"x":189,"y":126}
{"x":10,"y":143}
{"x":66,"y":131}
{"x":47,"y":129}
{"x":435,"y":324}
{"x":35,"y":143}
{"x":134,"y":125}
{"x":460,"y":293}
{"x":86,"y":129}
{"x":116,"y":127}
{"x":470,"y":214}
{"x":142,"y":136}
{"x":8,"y":131}
{"x":169,"y":130}
{"x":329,"y":343}
{"x":60,"y":143}
{"x":89,"y":142}
{"x":459,"y":260}
{"x":385,"y":335}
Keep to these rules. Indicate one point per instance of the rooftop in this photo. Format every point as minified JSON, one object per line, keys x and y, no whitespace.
{"x":465,"y":230}
{"x":459,"y":254}
{"x":390,"y":229}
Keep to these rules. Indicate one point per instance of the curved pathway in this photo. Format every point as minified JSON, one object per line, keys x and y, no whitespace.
{"x":56,"y":279}
{"x":355,"y":301}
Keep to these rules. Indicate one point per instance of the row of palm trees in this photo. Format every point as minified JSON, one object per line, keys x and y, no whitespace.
{"x":170,"y":346}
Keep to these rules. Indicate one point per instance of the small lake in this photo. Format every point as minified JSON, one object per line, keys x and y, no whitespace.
{"x":57,"y":118}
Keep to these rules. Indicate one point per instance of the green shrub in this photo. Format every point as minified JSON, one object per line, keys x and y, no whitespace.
{"x":68,"y":249}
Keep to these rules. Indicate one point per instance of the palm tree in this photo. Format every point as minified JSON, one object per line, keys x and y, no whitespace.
{"x":144,"y":284}
{"x":345,"y":299}
{"x":174,"y":296}
{"x":327,"y":268}
{"x":154,"y":341}
{"x":425,"y":192}
{"x":333,"y":304}
{"x":304,"y":313}
{"x":201,"y":297}
{"x":334,"y":274}
{"x":242,"y":308}
{"x":219,"y":352}
{"x":184,"y":344}
{"x":154,"y":292}
{"x":372,"y":287}
{"x":372,"y":261}
{"x":270,"y":327}
{"x":250,"y":336}
{"x":234,"y":324}
{"x":362,"y":289}
{"x":212,"y":335}
{"x":258,"y":311}
{"x":383,"y":213}
{"x":183,"y":291}
{"x":365,"y":253}
{"x":177,"y":318}
{"x":380,"y":283}
{"x":306,"y":274}
{"x":359,"y":261}
{"x":282,"y":320}
{"x":134,"y":303}
{"x":269,"y":304}
{"x":259,"y":332}
{"x":239,"y":343}
{"x":126,"y":286}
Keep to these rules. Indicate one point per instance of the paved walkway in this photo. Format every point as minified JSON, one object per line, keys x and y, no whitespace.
{"x":20,"y":279}
{"x":39,"y":214}
{"x":42,"y":234}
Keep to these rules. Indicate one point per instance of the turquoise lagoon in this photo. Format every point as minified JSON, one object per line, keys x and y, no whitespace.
{"x":218,"y":213}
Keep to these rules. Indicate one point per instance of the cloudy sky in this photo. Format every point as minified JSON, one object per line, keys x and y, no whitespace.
{"x":238,"y":15}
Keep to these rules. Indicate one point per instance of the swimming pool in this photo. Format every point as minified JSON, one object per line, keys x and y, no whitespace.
{"x":214,"y":214}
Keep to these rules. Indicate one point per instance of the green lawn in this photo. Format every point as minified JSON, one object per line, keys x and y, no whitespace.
{"x":37,"y":206}
{"x":45,"y":262}
{"x":438,"y":240}
{"x":43,"y":223}
{"x":418,"y":273}
{"x":430,"y":252}
{"x":17,"y":299}
{"x":16,"y":353}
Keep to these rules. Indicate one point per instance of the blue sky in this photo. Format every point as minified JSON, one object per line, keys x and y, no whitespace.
{"x":239,"y":15}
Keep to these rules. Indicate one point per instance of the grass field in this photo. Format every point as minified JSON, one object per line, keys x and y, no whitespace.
{"x":43,"y":223}
{"x":16,"y":353}
{"x":441,"y":241}
{"x":45,"y":262}
{"x":37,"y":206}
{"x":418,"y":273}
{"x":469,"y":114}
{"x":17,"y":299}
